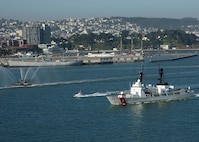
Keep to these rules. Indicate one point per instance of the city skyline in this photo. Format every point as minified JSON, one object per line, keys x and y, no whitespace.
{"x":29,"y":10}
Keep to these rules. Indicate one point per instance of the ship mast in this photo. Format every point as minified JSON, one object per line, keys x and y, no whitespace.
{"x":161,"y":73}
{"x":141,"y":74}
{"x":121,"y":45}
{"x":131,"y":44}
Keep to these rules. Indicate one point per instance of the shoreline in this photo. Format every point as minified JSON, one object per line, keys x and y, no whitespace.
{"x":128,"y":58}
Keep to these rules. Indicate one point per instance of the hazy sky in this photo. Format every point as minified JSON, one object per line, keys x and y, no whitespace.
{"x":34,"y":10}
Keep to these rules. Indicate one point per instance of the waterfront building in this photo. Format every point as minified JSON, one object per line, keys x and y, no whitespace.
{"x":31,"y":34}
{"x":45,"y":34}
{"x":13,"y":43}
{"x":37,"y":34}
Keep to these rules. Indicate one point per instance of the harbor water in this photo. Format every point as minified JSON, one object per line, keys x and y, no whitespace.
{"x":47,"y":111}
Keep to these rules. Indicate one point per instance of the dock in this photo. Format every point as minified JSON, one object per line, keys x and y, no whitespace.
{"x":85,"y":60}
{"x":110,"y":60}
{"x":171,"y":58}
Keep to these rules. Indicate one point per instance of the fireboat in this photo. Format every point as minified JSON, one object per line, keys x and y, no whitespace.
{"x":21,"y":83}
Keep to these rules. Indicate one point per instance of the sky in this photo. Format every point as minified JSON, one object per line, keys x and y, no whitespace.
{"x":35,"y":10}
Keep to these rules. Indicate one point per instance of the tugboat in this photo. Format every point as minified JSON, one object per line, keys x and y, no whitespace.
{"x":140,"y":93}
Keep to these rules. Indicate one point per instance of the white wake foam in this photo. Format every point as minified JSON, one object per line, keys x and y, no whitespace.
{"x":197,"y":95}
{"x":98,"y":94}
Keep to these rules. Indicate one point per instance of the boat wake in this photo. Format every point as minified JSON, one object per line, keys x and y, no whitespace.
{"x":96,"y":94}
{"x":65,"y":82}
{"x":197,"y":95}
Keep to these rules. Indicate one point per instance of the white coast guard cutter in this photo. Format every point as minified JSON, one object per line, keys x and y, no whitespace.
{"x":140,"y":93}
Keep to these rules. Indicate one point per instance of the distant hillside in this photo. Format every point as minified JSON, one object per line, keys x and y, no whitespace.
{"x":161,"y":23}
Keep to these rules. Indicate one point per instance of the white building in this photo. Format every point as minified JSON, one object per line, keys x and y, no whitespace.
{"x":165,"y":47}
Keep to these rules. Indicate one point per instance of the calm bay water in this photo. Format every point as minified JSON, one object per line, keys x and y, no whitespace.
{"x":48,"y":111}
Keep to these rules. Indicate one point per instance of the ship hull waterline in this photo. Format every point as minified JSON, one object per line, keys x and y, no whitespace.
{"x":44,"y":64}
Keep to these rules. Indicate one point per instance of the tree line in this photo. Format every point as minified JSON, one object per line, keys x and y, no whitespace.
{"x":152,"y":40}
{"x":174,"y":38}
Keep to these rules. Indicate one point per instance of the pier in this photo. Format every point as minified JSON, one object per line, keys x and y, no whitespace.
{"x":113,"y":59}
{"x":127,"y":58}
{"x":171,"y":58}
{"x":85,"y":60}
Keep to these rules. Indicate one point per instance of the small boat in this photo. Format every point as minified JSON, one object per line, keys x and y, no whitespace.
{"x":140,"y":93}
{"x":78,"y":95}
